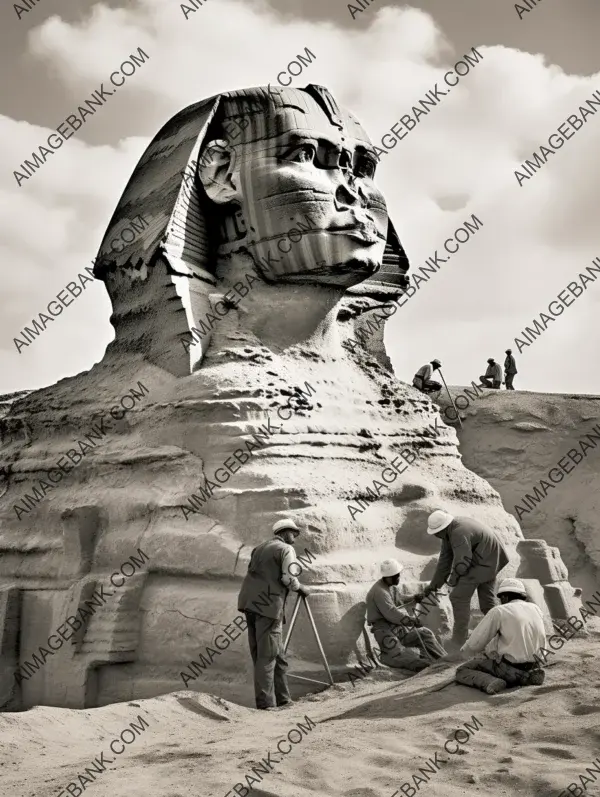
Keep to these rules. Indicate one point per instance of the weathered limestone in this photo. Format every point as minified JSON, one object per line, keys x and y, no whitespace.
{"x":514,"y":439}
{"x":279,"y":372}
{"x":543,"y":563}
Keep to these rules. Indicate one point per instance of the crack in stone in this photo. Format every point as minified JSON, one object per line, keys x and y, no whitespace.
{"x":176,"y":611}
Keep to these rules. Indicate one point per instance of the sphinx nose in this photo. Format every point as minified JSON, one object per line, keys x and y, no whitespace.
{"x":348,"y":193}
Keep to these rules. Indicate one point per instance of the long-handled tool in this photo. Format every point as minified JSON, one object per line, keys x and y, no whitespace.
{"x":317,"y":639}
{"x":423,"y":646}
{"x":450,"y":396}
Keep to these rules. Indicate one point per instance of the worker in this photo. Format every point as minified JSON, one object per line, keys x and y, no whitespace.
{"x":470,"y":559}
{"x":511,"y":634}
{"x":510,"y":369}
{"x":395,"y":630}
{"x":422,"y":379}
{"x":493,"y":375}
{"x":262,"y":599}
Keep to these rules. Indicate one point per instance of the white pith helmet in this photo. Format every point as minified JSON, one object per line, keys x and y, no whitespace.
{"x":286,"y":523}
{"x":391,"y":567}
{"x":512,"y":585}
{"x":438,"y":521}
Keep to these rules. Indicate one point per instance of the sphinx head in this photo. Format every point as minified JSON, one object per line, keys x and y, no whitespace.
{"x":292,"y":160}
{"x":277,"y":182}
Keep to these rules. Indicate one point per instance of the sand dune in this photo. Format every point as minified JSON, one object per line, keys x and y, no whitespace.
{"x":366,"y":741}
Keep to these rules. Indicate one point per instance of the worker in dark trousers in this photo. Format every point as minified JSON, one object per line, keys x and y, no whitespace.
{"x":422,"y":379}
{"x":398,"y":634}
{"x":493,"y":375}
{"x":510,"y":369}
{"x":262,"y":599}
{"x":470,"y":559}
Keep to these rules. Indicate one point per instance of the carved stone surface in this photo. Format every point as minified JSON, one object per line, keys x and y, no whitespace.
{"x":298,"y":157}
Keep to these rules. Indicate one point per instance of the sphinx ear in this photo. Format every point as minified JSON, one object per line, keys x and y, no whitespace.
{"x":216,"y":172}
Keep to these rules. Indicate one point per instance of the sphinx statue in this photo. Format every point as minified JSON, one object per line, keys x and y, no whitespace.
{"x":253,"y":289}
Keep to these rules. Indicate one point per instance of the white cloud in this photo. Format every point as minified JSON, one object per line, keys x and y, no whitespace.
{"x":462,"y":155}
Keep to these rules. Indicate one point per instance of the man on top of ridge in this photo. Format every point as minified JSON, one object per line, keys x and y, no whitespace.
{"x":422,"y":379}
{"x":493,"y":375}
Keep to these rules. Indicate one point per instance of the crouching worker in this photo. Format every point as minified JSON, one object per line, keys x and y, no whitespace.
{"x":511,"y":635}
{"x":394,"y":629}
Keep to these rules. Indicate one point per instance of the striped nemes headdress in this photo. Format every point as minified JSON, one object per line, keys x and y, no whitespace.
{"x":163,"y":191}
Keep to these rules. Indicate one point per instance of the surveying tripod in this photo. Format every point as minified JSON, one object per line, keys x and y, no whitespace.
{"x":301,"y":598}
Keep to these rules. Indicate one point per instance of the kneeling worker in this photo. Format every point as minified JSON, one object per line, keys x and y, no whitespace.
{"x":394,"y":629}
{"x":493,"y":375}
{"x":511,"y":635}
{"x":262,"y":599}
{"x":422,"y":379}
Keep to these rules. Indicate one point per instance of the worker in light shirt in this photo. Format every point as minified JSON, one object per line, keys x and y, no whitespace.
{"x":510,"y":634}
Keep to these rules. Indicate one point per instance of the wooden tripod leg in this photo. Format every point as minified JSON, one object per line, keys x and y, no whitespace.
{"x":292,"y":623}
{"x":316,"y":633}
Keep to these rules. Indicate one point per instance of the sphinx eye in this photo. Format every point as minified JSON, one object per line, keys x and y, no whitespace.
{"x":365,"y":167}
{"x":304,"y":153}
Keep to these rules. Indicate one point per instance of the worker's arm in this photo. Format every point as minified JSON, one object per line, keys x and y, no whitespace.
{"x":288,"y":560}
{"x":484,"y":633}
{"x":443,"y":568}
{"x":389,"y":610}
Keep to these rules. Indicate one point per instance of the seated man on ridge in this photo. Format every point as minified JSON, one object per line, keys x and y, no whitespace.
{"x":394,"y":629}
{"x":422,"y":379}
{"x":493,"y":375}
{"x":511,"y":635}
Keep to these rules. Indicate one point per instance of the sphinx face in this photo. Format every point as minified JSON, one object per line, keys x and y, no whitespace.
{"x":311,"y":209}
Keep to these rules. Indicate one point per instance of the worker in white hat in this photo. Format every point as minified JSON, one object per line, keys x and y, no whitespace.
{"x":470,"y":559}
{"x":511,"y":635}
{"x":422,"y":379}
{"x":262,"y":599}
{"x":394,"y":628}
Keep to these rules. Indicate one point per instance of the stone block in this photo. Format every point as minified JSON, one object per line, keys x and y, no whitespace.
{"x":563,"y":602}
{"x":542,"y":561}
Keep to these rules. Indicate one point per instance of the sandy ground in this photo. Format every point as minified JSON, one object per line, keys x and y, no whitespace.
{"x":366,"y":742}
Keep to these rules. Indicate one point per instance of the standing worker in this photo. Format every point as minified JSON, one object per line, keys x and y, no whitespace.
{"x":262,"y":599}
{"x":510,"y":369}
{"x":493,"y":375}
{"x":422,"y":379}
{"x":511,"y":635}
{"x":472,"y":555}
{"x":394,"y":629}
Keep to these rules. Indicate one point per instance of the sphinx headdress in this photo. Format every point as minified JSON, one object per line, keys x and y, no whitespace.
{"x":173,"y":257}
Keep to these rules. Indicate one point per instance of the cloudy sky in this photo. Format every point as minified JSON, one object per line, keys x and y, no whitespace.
{"x":536,"y":71}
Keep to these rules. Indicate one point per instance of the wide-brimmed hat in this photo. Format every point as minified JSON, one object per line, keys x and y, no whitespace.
{"x":286,"y":523}
{"x":512,"y":585}
{"x":438,"y":521}
{"x":391,"y":567}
